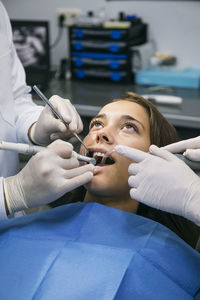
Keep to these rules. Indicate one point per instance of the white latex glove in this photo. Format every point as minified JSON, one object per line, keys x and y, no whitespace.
{"x":49,"y":128}
{"x":48,"y":175}
{"x":163,"y":181}
{"x":190,"y":147}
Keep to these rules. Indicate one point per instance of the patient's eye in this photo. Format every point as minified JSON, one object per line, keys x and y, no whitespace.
{"x":96,"y":124}
{"x":129,"y":127}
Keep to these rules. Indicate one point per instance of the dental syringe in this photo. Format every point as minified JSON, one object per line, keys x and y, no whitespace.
{"x":32,"y":149}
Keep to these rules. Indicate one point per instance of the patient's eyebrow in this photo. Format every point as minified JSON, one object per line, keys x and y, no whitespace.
{"x":128,"y":117}
{"x":100,"y":116}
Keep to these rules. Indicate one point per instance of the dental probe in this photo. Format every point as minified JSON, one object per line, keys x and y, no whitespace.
{"x":31,"y":150}
{"x":44,"y":98}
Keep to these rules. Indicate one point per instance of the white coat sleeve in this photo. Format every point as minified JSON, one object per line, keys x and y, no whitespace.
{"x":26,"y":111}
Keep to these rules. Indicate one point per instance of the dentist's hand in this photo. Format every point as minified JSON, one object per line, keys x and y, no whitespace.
{"x":190,"y":147}
{"x":47,"y":176}
{"x":163,"y":181}
{"x":49,"y":128}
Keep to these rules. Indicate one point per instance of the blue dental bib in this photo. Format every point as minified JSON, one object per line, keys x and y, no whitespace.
{"x":87,"y":251}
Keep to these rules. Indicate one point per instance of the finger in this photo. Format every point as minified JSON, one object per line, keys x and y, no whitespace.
{"x":63,"y":149}
{"x":161,"y":153}
{"x":71,"y":116}
{"x":69,"y":163}
{"x":132,"y":182}
{"x":181,"y":146}
{"x":76,"y":124}
{"x":68,"y":113}
{"x":80,"y":125}
{"x":134,"y":194}
{"x":192,"y":154}
{"x":73,"y":162}
{"x":54,"y":124}
{"x":63,"y":107}
{"x":78,"y":181}
{"x":133,"y":169}
{"x":60,"y":135}
{"x":78,"y":171}
{"x":134,"y":154}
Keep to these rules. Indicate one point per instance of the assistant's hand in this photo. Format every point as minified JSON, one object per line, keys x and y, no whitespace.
{"x":190,"y":147}
{"x":49,"y":128}
{"x":163,"y":181}
{"x":47,"y":176}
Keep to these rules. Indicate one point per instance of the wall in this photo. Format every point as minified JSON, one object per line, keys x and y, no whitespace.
{"x":175,"y":25}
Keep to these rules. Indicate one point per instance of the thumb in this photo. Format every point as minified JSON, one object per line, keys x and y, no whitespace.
{"x":153,"y":149}
{"x":134,"y":154}
{"x":56,"y":125}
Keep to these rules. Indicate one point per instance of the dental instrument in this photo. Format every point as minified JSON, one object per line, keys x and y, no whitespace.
{"x":21,"y":148}
{"x":32,"y":149}
{"x":106,"y":155}
{"x":44,"y":98}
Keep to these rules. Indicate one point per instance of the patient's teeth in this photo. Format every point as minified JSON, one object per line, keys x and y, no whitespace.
{"x":98,"y":154}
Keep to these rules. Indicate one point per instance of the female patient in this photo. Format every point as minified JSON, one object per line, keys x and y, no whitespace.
{"x":86,"y":250}
{"x":135,"y":122}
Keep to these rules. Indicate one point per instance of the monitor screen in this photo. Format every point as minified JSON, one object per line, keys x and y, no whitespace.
{"x":31,"y":40}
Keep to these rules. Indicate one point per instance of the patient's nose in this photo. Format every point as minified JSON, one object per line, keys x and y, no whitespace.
{"x":104,"y":137}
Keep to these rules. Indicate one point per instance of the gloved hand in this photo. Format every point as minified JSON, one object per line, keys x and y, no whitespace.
{"x":48,"y":175}
{"x":49,"y":128}
{"x":163,"y":181}
{"x":190,"y":147}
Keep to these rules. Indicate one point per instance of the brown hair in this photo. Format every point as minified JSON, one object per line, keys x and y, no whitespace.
{"x":161,"y":131}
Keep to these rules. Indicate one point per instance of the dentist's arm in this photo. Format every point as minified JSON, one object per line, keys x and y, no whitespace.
{"x":163,"y":181}
{"x":48,"y":175}
{"x":48,"y":127}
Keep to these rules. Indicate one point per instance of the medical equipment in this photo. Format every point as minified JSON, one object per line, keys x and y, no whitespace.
{"x":31,"y":150}
{"x":164,"y":99}
{"x":44,"y":98}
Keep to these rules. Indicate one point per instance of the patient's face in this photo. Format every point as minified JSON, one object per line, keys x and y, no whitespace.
{"x":124,"y":123}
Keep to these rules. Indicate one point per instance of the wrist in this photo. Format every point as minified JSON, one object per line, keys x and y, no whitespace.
{"x":13,"y":193}
{"x":31,"y":135}
{"x":5,"y":200}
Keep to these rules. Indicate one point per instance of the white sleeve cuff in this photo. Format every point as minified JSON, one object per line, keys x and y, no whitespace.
{"x":3,"y":215}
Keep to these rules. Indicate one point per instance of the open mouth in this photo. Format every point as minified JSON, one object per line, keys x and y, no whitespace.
{"x":101,"y":158}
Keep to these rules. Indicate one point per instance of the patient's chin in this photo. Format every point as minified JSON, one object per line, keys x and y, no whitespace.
{"x":98,"y":189}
